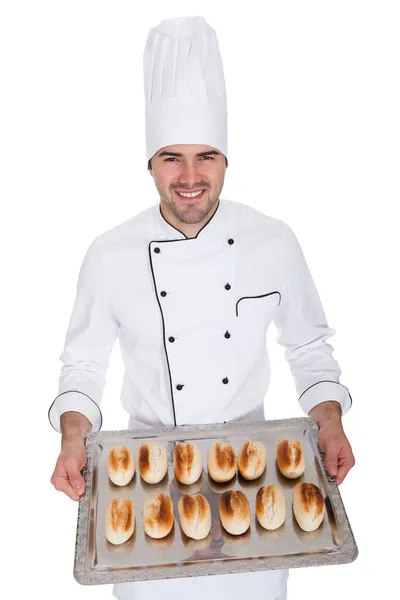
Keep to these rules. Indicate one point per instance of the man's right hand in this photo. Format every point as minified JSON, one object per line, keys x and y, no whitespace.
{"x":67,"y":475}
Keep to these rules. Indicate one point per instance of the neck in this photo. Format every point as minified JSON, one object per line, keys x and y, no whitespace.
{"x":189,"y":229}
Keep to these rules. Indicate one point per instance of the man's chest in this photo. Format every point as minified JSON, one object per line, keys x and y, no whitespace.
{"x":187,"y":286}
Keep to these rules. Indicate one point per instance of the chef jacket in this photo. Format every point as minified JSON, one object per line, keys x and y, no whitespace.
{"x":192,"y":315}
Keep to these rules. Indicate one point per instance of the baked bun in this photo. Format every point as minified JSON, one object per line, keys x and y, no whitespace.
{"x":221,"y":462}
{"x":153,"y":462}
{"x":234,"y":511}
{"x":158,"y":516}
{"x":308,"y":505}
{"x":270,"y":507}
{"x":290,"y":458}
{"x":121,"y":465}
{"x":252,"y":460}
{"x":120,"y":520}
{"x":188,"y":462}
{"x":195,"y":516}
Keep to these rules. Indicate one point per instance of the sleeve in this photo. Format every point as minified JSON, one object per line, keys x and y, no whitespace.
{"x":303,"y":331}
{"x":91,"y":334}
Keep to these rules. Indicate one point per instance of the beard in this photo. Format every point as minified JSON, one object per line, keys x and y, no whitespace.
{"x":191,"y":213}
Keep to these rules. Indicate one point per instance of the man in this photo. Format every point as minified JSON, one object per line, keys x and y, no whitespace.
{"x":190,"y":286}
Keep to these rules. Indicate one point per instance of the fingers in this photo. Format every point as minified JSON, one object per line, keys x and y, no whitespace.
{"x":67,"y":477}
{"x":62,"y":485}
{"x":74,"y":475}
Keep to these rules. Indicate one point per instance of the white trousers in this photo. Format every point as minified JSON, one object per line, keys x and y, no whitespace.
{"x":119,"y":596}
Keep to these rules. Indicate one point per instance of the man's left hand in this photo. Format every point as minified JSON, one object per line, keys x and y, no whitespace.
{"x":339,"y":458}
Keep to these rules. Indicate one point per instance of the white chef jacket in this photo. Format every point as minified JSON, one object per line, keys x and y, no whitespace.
{"x":191,"y":315}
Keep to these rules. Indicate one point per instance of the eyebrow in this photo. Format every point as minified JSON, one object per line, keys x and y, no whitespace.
{"x":179,"y":154}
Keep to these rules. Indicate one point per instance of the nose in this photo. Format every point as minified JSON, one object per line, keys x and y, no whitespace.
{"x":189,"y":176}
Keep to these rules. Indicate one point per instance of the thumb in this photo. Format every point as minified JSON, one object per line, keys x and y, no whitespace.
{"x":331,"y":464}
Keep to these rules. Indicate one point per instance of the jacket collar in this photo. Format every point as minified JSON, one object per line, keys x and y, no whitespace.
{"x":210,"y":230}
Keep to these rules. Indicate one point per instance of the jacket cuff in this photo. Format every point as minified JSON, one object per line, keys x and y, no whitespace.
{"x":325,"y":391}
{"x":76,"y":402}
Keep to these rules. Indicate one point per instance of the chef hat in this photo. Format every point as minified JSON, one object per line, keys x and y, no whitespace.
{"x":185,"y":96}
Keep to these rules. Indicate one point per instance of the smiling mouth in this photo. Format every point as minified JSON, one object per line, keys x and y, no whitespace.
{"x":190,"y":195}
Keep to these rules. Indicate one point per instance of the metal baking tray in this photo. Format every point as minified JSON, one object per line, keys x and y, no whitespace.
{"x":142,"y":558}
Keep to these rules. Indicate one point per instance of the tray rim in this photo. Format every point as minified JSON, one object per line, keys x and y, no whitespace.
{"x":84,"y":575}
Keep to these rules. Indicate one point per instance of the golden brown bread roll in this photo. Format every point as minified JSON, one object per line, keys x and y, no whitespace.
{"x":120,"y":520}
{"x":270,"y":507}
{"x":308,"y":505}
{"x":221,"y":462}
{"x":234,"y":511}
{"x":121,"y":465}
{"x":195,"y":516}
{"x":153,"y":462}
{"x":188,"y":462}
{"x":158,"y":516}
{"x":252,"y":459}
{"x":290,"y":458}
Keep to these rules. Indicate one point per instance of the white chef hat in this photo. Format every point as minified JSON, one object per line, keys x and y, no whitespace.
{"x":185,"y":96}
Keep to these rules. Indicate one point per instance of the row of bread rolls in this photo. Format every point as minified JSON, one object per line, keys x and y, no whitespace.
{"x":187,"y":458}
{"x":252,"y":460}
{"x":234,"y":509}
{"x":158,"y":517}
{"x":307,"y":500}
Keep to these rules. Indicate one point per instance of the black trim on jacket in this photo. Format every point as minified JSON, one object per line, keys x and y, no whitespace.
{"x":157,"y":295}
{"x":77,"y":392}
{"x":261,"y":296}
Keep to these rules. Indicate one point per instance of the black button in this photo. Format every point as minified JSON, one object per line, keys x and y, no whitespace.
{"x":231,"y":241}
{"x":157,"y":250}
{"x":179,"y":386}
{"x":163,"y":294}
{"x":225,"y":380}
{"x":171,"y":339}
{"x":227,"y":287}
{"x":227,"y":334}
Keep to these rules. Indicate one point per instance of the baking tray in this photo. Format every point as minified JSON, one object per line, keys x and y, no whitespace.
{"x":142,"y":558}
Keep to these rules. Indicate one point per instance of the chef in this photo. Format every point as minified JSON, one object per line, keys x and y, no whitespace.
{"x":190,"y":286}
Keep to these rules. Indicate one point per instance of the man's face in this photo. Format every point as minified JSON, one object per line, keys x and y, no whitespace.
{"x":189,"y":168}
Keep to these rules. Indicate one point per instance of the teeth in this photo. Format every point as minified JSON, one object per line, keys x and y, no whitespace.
{"x":191,"y":195}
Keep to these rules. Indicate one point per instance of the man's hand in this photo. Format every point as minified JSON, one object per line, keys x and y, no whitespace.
{"x":339,"y":458}
{"x":67,"y":476}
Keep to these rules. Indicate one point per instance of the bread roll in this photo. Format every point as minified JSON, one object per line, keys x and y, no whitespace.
{"x":158,"y":516}
{"x":252,"y":460}
{"x":188,"y":462}
{"x":270,"y":507}
{"x":153,"y":462}
{"x":121,"y":465}
{"x":308,"y":506}
{"x":290,"y":458}
{"x":221,"y":461}
{"x":195,"y":516}
{"x":120,"y":520}
{"x":234,"y":511}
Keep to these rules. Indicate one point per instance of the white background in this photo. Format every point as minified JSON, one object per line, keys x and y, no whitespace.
{"x":313,"y":100}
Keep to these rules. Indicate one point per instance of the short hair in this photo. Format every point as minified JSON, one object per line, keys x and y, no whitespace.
{"x":149,"y":163}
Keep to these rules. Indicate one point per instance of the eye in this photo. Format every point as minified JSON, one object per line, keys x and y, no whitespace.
{"x":170,"y":159}
{"x":209,"y":157}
